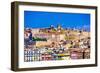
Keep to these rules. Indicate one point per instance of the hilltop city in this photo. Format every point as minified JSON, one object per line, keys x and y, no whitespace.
{"x":56,"y":43}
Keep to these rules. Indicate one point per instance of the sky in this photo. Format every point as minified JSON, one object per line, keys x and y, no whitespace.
{"x":38,"y":19}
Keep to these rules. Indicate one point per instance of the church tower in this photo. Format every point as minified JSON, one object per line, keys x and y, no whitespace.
{"x":59,"y":27}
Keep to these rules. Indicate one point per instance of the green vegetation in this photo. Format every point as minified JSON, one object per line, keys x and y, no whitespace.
{"x":39,"y":39}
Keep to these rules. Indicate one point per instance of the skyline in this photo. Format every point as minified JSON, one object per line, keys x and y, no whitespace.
{"x":38,"y":19}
